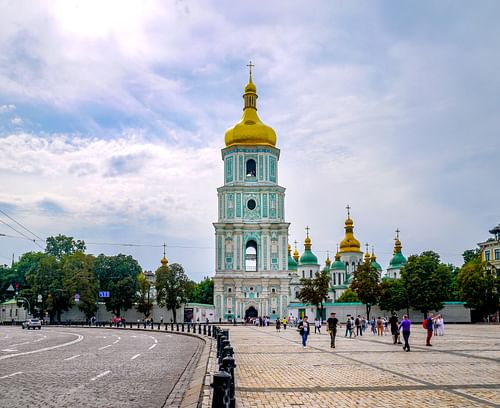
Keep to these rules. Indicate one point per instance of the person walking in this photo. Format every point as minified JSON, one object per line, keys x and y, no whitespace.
{"x":405,"y":326}
{"x":278,"y":325}
{"x":304,"y":330}
{"x":357,"y":323}
{"x":348,"y":327}
{"x":429,"y":326}
{"x":380,"y":326}
{"x":332,"y":328}
{"x":393,"y":320}
{"x":284,"y":323}
{"x":317,"y":326}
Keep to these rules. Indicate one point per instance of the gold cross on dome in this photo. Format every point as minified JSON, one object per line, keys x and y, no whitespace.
{"x":250,"y":65}
{"x":397,"y":233}
{"x":348,"y":212}
{"x":307,"y":229}
{"x":164,"y":249}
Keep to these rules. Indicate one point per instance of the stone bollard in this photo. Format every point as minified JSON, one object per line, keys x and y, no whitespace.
{"x":221,"y":384}
{"x":228,"y":366}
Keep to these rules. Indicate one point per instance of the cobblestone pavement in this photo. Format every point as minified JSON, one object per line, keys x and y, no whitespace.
{"x":461,"y":369}
{"x":90,"y":367}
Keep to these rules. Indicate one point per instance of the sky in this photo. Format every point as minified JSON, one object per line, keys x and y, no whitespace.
{"x":113,"y":114}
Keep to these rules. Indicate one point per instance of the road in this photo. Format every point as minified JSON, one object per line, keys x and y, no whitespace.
{"x":90,"y":367}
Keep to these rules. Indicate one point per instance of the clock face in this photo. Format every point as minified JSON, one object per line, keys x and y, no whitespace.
{"x":251,"y":204}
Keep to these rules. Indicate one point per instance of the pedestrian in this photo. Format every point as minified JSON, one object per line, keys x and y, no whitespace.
{"x":380,"y":326}
{"x":405,"y":325}
{"x":357,"y":323}
{"x":393,"y":320}
{"x":440,"y":325}
{"x":332,"y":328}
{"x":372,"y":325}
{"x":348,"y":327}
{"x":429,"y":325}
{"x":278,"y":325}
{"x":284,"y":323}
{"x":304,"y":330}
{"x":317,"y":326}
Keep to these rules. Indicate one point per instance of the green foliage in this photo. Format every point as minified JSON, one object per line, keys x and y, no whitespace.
{"x":480,"y":289}
{"x":366,"y":283}
{"x":203,"y":292}
{"x":144,"y":298}
{"x":118,"y":275}
{"x":427,"y":281}
{"x":78,"y":277}
{"x":348,"y":296}
{"x":171,"y":287}
{"x":393,"y":295}
{"x":315,"y":291}
{"x":471,"y":254}
{"x":62,"y":245}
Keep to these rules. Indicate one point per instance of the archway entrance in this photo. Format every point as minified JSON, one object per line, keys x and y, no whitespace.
{"x":251,"y":312}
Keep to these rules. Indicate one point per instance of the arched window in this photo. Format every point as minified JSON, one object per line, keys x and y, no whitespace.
{"x":251,"y":168}
{"x":251,"y":256}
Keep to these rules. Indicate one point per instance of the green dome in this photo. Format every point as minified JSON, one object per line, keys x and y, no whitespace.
{"x":397,"y":261}
{"x":377,"y":266}
{"x":308,"y":258}
{"x":292,"y":263}
{"x":338,"y":266}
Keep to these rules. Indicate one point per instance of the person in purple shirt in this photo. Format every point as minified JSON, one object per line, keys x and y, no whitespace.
{"x":405,"y":325}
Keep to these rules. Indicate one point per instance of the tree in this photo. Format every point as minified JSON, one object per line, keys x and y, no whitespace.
{"x":393,"y":295}
{"x":144,"y":299}
{"x":63,"y":245}
{"x":204,"y":292}
{"x":16,"y":275}
{"x":348,"y":296}
{"x":118,"y":276}
{"x":479,"y":289}
{"x":79,"y":278}
{"x":427,"y":281}
{"x":471,"y":254}
{"x":366,"y":283}
{"x":171,"y":287}
{"x":315,"y":291}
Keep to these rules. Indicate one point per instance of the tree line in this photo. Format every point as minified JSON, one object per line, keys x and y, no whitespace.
{"x":424,"y":285}
{"x":64,"y":275}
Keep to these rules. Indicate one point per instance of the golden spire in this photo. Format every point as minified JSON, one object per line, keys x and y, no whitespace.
{"x":307,"y":241}
{"x":296,"y":254}
{"x":289,"y":249}
{"x":349,"y":243}
{"x":373,"y":257}
{"x":337,"y":255}
{"x":367,"y":254}
{"x":397,"y":243}
{"x":250,"y":130}
{"x":164,"y":261}
{"x":328,"y":261}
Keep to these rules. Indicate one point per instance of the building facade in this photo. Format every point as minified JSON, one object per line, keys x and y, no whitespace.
{"x":490,"y":251}
{"x":251,"y":234}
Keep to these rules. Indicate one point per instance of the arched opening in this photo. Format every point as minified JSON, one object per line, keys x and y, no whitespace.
{"x":251,"y":312}
{"x":251,"y":256}
{"x":251,"y":168}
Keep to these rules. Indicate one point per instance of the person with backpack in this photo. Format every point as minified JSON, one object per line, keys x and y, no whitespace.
{"x":393,"y":320}
{"x":405,"y":325}
{"x":348,"y":327}
{"x":429,"y":325}
{"x":278,"y":324}
{"x":357,"y":323}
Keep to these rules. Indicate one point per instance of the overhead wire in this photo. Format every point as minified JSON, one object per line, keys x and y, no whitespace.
{"x":21,"y":225}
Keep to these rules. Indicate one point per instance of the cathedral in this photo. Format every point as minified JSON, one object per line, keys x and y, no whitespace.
{"x":256,"y":274}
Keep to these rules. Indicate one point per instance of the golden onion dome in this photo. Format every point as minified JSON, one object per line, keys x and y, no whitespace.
{"x":164,"y":261}
{"x":296,"y":254}
{"x":349,"y":243}
{"x":250,"y":130}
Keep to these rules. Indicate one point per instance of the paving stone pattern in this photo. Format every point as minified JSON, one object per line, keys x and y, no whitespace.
{"x":461,"y":369}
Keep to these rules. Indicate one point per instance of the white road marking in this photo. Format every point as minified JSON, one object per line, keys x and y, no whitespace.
{"x":20,"y":344}
{"x":72,"y":358}
{"x":9,"y":350}
{"x":153,"y":346}
{"x":156,"y":341}
{"x":134,"y":357}
{"x":77,"y":340}
{"x":103,"y":347}
{"x":100,"y":375}
{"x":11,"y":375}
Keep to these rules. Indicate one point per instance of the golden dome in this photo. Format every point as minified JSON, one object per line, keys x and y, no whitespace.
{"x":164,"y":261}
{"x":250,"y":130}
{"x":328,"y":261}
{"x":349,"y":243}
{"x":296,"y":254}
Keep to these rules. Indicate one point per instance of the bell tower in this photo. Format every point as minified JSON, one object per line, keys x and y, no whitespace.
{"x":251,"y":235}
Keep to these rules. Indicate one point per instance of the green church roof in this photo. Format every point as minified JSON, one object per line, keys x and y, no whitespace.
{"x":338,"y":266}
{"x":397,"y":261}
{"x":308,"y":258}
{"x":376,"y":265}
{"x":292,"y":263}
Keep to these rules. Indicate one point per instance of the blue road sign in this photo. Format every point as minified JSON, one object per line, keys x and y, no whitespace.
{"x":104,"y":294}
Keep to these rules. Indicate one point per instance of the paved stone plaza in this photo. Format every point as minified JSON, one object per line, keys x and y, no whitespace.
{"x":462,"y":369}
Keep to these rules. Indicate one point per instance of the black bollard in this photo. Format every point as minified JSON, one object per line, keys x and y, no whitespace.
{"x":226,"y":333}
{"x":199,"y":328}
{"x":159,"y":326}
{"x":220,"y":337}
{"x":209,"y":331}
{"x":177,"y":326}
{"x":188,"y":328}
{"x":171,"y":326}
{"x":166,"y":326}
{"x":182,"y":326}
{"x":204,"y":329}
{"x":228,"y":365}
{"x":221,"y":383}
{"x":227,"y":351}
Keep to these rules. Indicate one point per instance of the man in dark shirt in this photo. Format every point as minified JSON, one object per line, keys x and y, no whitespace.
{"x":430,"y":322}
{"x":394,"y":328}
{"x":332,"y":328}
